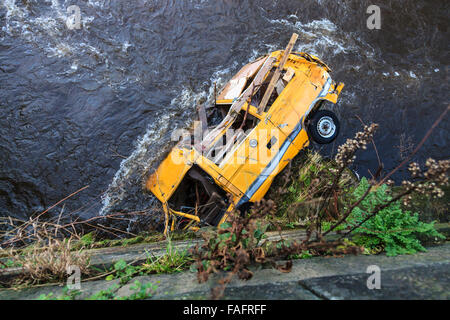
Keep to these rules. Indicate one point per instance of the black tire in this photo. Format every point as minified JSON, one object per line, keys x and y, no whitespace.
{"x":323,"y":126}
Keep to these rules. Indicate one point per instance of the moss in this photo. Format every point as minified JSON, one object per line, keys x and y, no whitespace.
{"x":104,"y":243}
{"x":131,"y":241}
{"x":89,"y":240}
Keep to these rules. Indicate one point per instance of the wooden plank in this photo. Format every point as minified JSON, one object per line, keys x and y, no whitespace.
{"x":237,"y":105}
{"x":254,"y":86}
{"x":277,"y":73}
{"x":289,"y":74}
{"x":238,"y":81}
{"x":202,"y":115}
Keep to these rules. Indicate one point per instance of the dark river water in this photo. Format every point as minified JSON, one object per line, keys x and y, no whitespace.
{"x":96,"y":105}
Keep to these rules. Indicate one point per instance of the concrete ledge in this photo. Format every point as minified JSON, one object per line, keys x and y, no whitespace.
{"x":411,"y":283}
{"x":423,"y":275}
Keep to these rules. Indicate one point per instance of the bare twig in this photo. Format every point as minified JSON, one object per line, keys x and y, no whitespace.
{"x":427,"y":135}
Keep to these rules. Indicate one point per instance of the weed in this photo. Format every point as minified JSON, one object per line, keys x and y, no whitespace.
{"x":142,"y":291}
{"x":324,"y":197}
{"x":8,"y":263}
{"x":304,"y":255}
{"x":241,"y":242}
{"x":66,"y":295}
{"x":392,"y":228}
{"x":107,"y":294}
{"x":45,"y":262}
{"x":172,"y":261}
{"x":87,"y":240}
{"x":123,"y":271}
{"x":302,"y":196}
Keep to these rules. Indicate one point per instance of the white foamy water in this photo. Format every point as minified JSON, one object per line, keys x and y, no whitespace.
{"x":20,"y":21}
{"x":154,"y":142}
{"x":148,"y":148}
{"x":136,"y":161}
{"x":48,"y":31}
{"x":318,"y":37}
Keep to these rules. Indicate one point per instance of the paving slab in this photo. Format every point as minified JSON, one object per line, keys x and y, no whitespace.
{"x":87,"y":289}
{"x":430,"y":282}
{"x":106,"y":257}
{"x":138,"y":253}
{"x":423,"y":275}
{"x":268,"y":291}
{"x":185,"y":286}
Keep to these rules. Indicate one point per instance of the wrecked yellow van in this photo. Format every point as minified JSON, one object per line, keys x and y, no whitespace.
{"x":261,"y":119}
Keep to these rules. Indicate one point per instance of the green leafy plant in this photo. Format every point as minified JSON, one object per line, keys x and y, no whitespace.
{"x":142,"y":291}
{"x":173,"y":261}
{"x":48,"y":261}
{"x":107,"y":294}
{"x":300,"y":197}
{"x":67,"y":294}
{"x":9,"y":263}
{"x":392,"y":228}
{"x":123,"y":271}
{"x":304,"y":255}
{"x":234,"y":246}
{"x":88,"y":239}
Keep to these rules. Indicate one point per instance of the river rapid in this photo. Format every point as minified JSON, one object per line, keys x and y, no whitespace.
{"x":97,"y":105}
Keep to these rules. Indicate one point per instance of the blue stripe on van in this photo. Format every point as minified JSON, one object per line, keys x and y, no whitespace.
{"x":276,"y":160}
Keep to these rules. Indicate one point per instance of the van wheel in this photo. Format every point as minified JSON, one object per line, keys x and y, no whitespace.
{"x":323,"y":126}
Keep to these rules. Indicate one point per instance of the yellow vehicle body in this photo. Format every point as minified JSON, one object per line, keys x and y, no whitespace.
{"x":247,"y":169}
